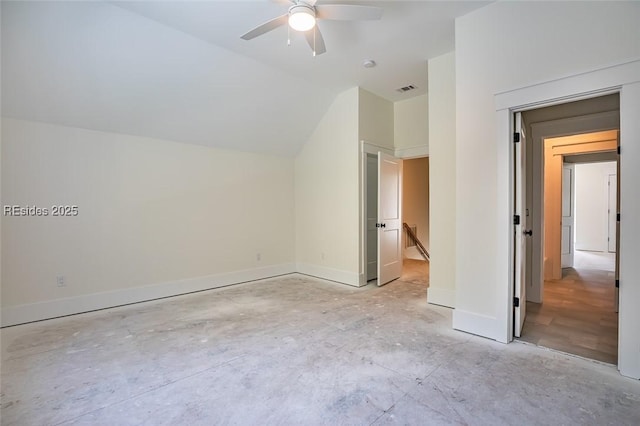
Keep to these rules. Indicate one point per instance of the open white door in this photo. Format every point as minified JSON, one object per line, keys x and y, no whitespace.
{"x":612,"y":212}
{"x":372,"y":216}
{"x":617,"y":273}
{"x":389,"y":218}
{"x":519,"y":228}
{"x":568,"y":189}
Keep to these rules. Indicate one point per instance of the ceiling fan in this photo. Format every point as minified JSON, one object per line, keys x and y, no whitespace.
{"x":303,"y":14}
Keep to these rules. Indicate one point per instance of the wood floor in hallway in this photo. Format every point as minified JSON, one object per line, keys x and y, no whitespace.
{"x":578,"y":314}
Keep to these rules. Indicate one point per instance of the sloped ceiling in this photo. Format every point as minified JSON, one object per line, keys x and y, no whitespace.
{"x":178,"y":70}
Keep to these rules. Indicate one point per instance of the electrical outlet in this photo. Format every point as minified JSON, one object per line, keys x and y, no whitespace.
{"x":258,"y":257}
{"x":61,"y":281}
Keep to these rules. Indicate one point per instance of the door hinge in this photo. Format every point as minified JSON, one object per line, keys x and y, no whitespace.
{"x":617,"y":283}
{"x":516,"y":137}
{"x":381,"y":225}
{"x":618,"y":149}
{"x":516,"y":302}
{"x":617,"y":217}
{"x":516,"y":219}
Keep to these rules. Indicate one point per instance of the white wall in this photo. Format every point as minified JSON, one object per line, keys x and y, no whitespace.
{"x":442,"y":178}
{"x":495,"y":52}
{"x":411,"y":126}
{"x":1,"y":149}
{"x":327,"y":195}
{"x":628,"y":335}
{"x":375,"y":119}
{"x":156,"y":218}
{"x":592,"y":204}
{"x":415,"y":198}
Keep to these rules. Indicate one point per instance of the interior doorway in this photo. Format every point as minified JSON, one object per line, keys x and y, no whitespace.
{"x":623,"y":81}
{"x":415,"y":214}
{"x":578,"y":314}
{"x":415,"y":217}
{"x":571,"y":296}
{"x":381,"y":220}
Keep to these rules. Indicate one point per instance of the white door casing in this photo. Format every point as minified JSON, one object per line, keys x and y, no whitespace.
{"x":568,"y":209}
{"x":625,"y":79}
{"x":389,"y":218}
{"x":520,"y":227}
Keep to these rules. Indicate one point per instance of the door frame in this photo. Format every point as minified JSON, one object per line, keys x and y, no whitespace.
{"x":623,"y":78}
{"x":555,"y":149}
{"x":371,"y":148}
{"x":365,"y":148}
{"x":589,"y":123}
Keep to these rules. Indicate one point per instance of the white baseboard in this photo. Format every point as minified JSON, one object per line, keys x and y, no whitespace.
{"x":343,"y":277}
{"x":473,"y":323}
{"x":441,"y":296}
{"x":20,"y":314}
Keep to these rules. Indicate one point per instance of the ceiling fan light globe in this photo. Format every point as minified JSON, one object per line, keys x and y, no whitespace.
{"x":301,"y":18}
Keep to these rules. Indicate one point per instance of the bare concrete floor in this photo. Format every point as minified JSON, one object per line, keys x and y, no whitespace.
{"x":295,"y":350}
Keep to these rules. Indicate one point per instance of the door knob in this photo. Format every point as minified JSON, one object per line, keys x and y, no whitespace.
{"x":529,"y":232}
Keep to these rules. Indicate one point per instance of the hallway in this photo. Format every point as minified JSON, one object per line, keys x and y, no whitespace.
{"x":578,"y":314}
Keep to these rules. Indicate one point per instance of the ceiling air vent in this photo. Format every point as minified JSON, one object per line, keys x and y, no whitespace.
{"x":406,"y":88}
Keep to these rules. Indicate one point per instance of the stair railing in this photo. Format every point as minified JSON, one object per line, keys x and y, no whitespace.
{"x":423,"y":251}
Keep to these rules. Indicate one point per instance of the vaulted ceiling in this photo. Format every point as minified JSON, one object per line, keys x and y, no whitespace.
{"x":178,"y":70}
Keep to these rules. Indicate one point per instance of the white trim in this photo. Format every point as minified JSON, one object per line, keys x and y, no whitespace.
{"x":362,"y":209}
{"x":479,"y":325}
{"x":570,"y":88}
{"x":441,"y":296}
{"x":504,"y":246}
{"x":370,"y":148}
{"x":412,"y":152}
{"x":342,"y":277}
{"x":625,"y":78}
{"x":20,"y":314}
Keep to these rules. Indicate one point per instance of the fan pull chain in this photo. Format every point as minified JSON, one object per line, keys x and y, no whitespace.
{"x":314,"y":41}
{"x":288,"y":36}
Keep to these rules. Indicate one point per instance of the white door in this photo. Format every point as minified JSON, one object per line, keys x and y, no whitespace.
{"x":612,"y":212}
{"x":617,"y":246}
{"x":520,"y":228}
{"x":389,"y":218}
{"x":568,"y":189}
{"x":372,"y":216}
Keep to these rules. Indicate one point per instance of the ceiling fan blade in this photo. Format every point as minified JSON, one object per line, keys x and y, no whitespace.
{"x":266,"y":27}
{"x":348,"y":12}
{"x":316,"y":45}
